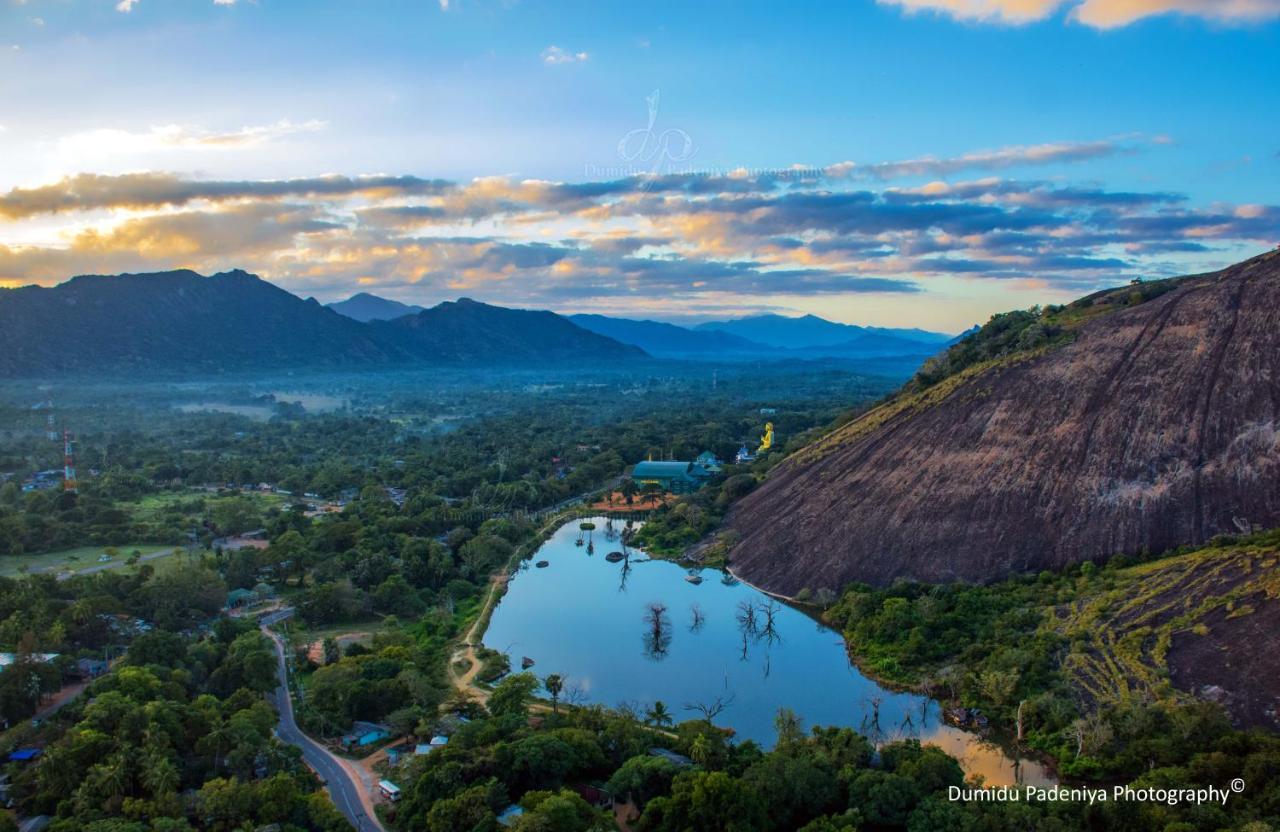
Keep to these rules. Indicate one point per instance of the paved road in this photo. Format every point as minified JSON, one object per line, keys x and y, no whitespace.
{"x":344,"y":790}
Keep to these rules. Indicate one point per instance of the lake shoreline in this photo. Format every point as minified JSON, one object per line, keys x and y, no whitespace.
{"x":806,"y":664}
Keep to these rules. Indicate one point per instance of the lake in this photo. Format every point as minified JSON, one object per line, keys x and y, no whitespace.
{"x":638,"y":631}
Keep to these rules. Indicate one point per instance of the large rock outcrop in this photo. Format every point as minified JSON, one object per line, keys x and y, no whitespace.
{"x":1157,"y":426}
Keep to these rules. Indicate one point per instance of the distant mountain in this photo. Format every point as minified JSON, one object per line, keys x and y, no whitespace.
{"x":177,"y":321}
{"x":365,"y":307}
{"x":668,"y":340}
{"x":182,"y":322}
{"x":873,"y":344}
{"x":811,"y":331}
{"x":466,"y":330}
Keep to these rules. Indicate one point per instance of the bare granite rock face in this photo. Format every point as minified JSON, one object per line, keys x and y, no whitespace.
{"x":1158,"y":426}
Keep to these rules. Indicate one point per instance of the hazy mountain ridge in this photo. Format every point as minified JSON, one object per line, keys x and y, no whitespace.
{"x":448,"y":331}
{"x":810,"y":331}
{"x":776,"y":337}
{"x":659,"y":338}
{"x":1150,"y":427}
{"x":364,"y":307}
{"x":183,"y":322}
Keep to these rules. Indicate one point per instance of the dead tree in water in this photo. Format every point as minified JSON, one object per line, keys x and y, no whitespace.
{"x":697,"y":618}
{"x":769,"y":631}
{"x":657,"y":637}
{"x":747,"y":617}
{"x":710,"y":710}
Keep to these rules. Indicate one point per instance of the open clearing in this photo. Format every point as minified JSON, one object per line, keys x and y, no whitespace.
{"x":76,"y":560}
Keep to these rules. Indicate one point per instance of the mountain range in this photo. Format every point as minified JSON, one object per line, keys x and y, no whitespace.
{"x":182,"y":322}
{"x":767,"y":336}
{"x":755,"y":337}
{"x":1135,"y":420}
{"x":364,"y":307}
{"x":810,"y":331}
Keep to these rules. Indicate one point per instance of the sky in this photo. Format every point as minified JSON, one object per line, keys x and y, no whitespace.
{"x":889,"y":162}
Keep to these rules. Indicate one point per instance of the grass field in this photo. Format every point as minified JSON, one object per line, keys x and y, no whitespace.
{"x":73,"y":560}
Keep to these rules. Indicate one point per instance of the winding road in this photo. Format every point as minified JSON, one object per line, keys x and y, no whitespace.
{"x":344,"y":788}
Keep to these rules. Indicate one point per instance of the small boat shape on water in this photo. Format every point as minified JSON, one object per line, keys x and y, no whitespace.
{"x":526,"y":663}
{"x":543,"y":564}
{"x":614,"y":557}
{"x":693,"y":579}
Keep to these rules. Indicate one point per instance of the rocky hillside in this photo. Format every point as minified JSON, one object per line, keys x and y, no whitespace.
{"x":1143,"y":418}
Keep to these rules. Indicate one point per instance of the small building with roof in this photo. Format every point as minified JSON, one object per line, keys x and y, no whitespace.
{"x":709,"y":462}
{"x":510,"y":815}
{"x":676,"y":477}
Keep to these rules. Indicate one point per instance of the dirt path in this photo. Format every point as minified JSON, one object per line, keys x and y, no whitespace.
{"x":464,"y":682}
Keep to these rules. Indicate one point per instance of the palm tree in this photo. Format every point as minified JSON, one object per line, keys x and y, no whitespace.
{"x":554,"y":683}
{"x":220,"y":736}
{"x":658,"y":715}
{"x":700,"y":750}
{"x":114,"y":776}
{"x":159,"y":774}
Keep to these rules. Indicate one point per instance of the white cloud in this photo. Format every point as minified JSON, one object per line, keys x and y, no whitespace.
{"x":554,"y":55}
{"x":113,"y":141}
{"x":224,"y":2}
{"x":126,"y":6}
{"x":1101,"y":14}
{"x":1004,"y":157}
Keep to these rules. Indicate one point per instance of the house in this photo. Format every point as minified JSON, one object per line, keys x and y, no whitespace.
{"x":708,"y":461}
{"x":674,"y":477}
{"x":510,"y":815}
{"x":744,"y":455}
{"x":389,"y":790}
{"x":594,"y":795}
{"x":364,"y":734}
{"x":238,"y":598}
{"x":91,"y":668}
{"x":7,"y":659}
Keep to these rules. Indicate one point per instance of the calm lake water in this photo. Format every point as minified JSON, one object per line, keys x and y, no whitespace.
{"x":593,"y":622}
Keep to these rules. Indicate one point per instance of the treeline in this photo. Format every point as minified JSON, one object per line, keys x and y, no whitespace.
{"x":989,"y":648}
{"x":179,"y":738}
{"x":85,"y":616}
{"x":553,"y":764}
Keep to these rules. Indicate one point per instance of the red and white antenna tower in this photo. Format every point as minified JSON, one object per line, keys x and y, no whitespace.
{"x":69,"y":463}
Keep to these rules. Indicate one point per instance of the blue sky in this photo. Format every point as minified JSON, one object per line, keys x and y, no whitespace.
{"x":1145,"y":133}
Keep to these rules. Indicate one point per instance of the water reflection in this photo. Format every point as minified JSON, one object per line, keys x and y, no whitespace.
{"x":636,"y":630}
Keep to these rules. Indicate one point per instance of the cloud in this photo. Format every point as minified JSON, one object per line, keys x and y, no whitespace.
{"x":126,"y":6}
{"x":998,"y":159}
{"x":686,"y":241}
{"x":1102,"y":14}
{"x":86,"y":192}
{"x":1107,"y":14}
{"x":554,"y":55}
{"x":113,"y":141}
{"x":1002,"y":11}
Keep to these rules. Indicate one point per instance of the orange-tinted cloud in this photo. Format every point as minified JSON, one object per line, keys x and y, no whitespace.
{"x":1102,"y":14}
